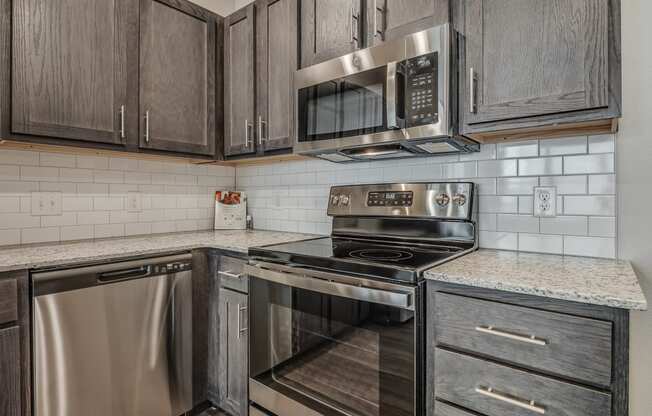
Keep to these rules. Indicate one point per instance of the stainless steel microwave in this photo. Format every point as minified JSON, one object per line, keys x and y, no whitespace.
{"x":394,"y":100}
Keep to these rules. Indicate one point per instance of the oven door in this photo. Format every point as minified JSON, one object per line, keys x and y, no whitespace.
{"x":324,"y":344}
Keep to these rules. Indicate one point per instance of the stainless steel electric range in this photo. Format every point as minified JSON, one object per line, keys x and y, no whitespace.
{"x":336,"y":323}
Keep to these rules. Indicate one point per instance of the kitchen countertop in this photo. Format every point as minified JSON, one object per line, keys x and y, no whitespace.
{"x":71,"y":253}
{"x":587,"y":280}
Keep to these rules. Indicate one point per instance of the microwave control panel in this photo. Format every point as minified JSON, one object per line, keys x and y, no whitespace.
{"x":421,"y":90}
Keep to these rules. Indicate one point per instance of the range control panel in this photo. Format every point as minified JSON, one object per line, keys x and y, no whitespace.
{"x":421,"y":90}
{"x":446,"y":200}
{"x":390,"y":199}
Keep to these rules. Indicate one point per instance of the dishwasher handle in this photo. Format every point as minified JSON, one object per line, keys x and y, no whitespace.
{"x":135,"y":272}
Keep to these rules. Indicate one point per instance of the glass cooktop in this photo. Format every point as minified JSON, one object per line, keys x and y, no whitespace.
{"x":371,"y":258}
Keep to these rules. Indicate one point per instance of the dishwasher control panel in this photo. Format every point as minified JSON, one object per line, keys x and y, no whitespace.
{"x":171,"y":267}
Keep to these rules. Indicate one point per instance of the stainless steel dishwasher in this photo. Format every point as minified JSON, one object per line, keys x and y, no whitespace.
{"x":114,"y":339}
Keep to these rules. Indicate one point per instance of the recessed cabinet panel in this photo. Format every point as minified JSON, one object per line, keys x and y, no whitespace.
{"x":276,"y":50}
{"x":531,"y":57}
{"x":239,"y":81}
{"x":329,"y":29}
{"x":10,"y":389}
{"x":177,"y":75}
{"x":69,"y":69}
{"x":391,"y":19}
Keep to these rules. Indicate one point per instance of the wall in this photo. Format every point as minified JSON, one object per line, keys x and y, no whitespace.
{"x":95,"y":196}
{"x":634,"y":150}
{"x":293,"y":196}
{"x":222,"y":7}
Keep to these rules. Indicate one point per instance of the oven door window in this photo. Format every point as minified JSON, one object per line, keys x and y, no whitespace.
{"x":344,"y":107}
{"x":354,"y":357}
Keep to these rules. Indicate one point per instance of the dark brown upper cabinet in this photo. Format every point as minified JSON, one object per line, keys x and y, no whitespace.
{"x":177,"y":77}
{"x":239,"y":79}
{"x":531,"y":63}
{"x":70,"y":69}
{"x":330,"y":29}
{"x":391,"y":19}
{"x":276,"y":61}
{"x":260,"y":55}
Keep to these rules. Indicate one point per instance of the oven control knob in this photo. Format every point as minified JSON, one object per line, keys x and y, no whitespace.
{"x":335,"y":199}
{"x":344,"y":200}
{"x":442,"y":200}
{"x":459,"y":199}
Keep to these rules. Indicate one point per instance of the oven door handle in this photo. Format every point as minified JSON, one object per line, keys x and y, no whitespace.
{"x":403,"y":300}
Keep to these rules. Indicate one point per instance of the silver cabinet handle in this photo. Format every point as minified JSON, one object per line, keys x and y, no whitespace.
{"x":523,"y":404}
{"x":354,"y":25}
{"x":147,"y":126}
{"x":377,"y":33}
{"x":231,"y":275}
{"x":240,"y":328}
{"x":473,"y":79}
{"x":122,"y":121}
{"x":248,"y":139}
{"x":261,"y":139}
{"x":523,"y":338}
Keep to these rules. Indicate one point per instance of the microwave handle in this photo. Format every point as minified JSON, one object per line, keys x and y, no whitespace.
{"x":393,"y":98}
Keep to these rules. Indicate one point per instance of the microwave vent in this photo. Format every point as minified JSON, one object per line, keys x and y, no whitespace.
{"x":437,"y":147}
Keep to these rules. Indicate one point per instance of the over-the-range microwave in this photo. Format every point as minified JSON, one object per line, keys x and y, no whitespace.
{"x":394,"y":100}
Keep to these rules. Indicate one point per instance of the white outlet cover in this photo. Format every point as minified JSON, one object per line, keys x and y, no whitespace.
{"x":134,"y":201}
{"x":545,"y":201}
{"x":46,"y":203}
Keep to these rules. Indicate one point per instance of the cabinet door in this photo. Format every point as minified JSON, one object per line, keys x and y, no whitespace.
{"x":329,"y":29}
{"x":391,"y":19}
{"x":70,"y":65}
{"x":177,"y":77}
{"x":10,"y":372}
{"x":239,"y":79}
{"x":276,"y":55}
{"x":534,"y":57}
{"x":233,"y":360}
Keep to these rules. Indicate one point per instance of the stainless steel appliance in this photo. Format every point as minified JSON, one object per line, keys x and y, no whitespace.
{"x":394,"y":100}
{"x":114,"y":339}
{"x":336,"y":323}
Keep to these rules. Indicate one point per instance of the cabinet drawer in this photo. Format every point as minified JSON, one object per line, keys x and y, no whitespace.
{"x":443,"y":409}
{"x":230,"y":271}
{"x":8,"y":300}
{"x":570,"y":346}
{"x":496,"y":390}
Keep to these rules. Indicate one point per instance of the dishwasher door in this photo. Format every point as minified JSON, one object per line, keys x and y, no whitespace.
{"x":114,"y":340}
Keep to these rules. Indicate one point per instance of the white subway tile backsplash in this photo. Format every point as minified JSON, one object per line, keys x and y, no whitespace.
{"x":58,"y":160}
{"x":602,"y":184}
{"x":566,"y":185}
{"x":590,"y":205}
{"x":9,"y":237}
{"x":66,"y":218}
{"x":10,"y":203}
{"x":459,"y":170}
{"x":108,"y":230}
{"x":544,"y":166}
{"x":590,"y":246}
{"x":76,"y":232}
{"x":487,"y":151}
{"x":9,"y":173}
{"x":602,"y":163}
{"x":498,"y":240}
{"x":77,"y":203}
{"x":485,"y":186}
{"x":602,"y":226}
{"x":526,"y":205}
{"x":487,"y":222}
{"x":108,"y":176}
{"x":528,"y":148}
{"x":39,"y":235}
{"x":92,"y":162}
{"x":603,"y":143}
{"x":39,"y":173}
{"x":541,"y":243}
{"x":498,"y":204}
{"x":497,"y":168}
{"x":18,"y":220}
{"x":518,"y":223}
{"x":563,"y":146}
{"x":123,"y":164}
{"x":76,"y":175}
{"x":93,"y":217}
{"x":517,"y":186}
{"x":19,"y":157}
{"x":565,"y":225}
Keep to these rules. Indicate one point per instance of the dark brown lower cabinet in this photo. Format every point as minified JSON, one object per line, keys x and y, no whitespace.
{"x":494,"y":353}
{"x":10,"y":387}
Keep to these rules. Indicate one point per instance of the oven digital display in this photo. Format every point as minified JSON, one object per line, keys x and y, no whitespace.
{"x":390,"y":199}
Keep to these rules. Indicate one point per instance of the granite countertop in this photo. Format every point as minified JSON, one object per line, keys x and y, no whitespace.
{"x":587,"y":280}
{"x":47,"y":255}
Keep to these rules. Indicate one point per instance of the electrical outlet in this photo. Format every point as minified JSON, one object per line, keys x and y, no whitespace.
{"x":134,"y":201}
{"x":46,"y":203}
{"x":545,"y":201}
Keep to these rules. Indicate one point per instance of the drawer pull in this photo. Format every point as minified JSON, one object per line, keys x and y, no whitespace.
{"x":524,"y":404}
{"x":231,"y":275}
{"x":523,"y":338}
